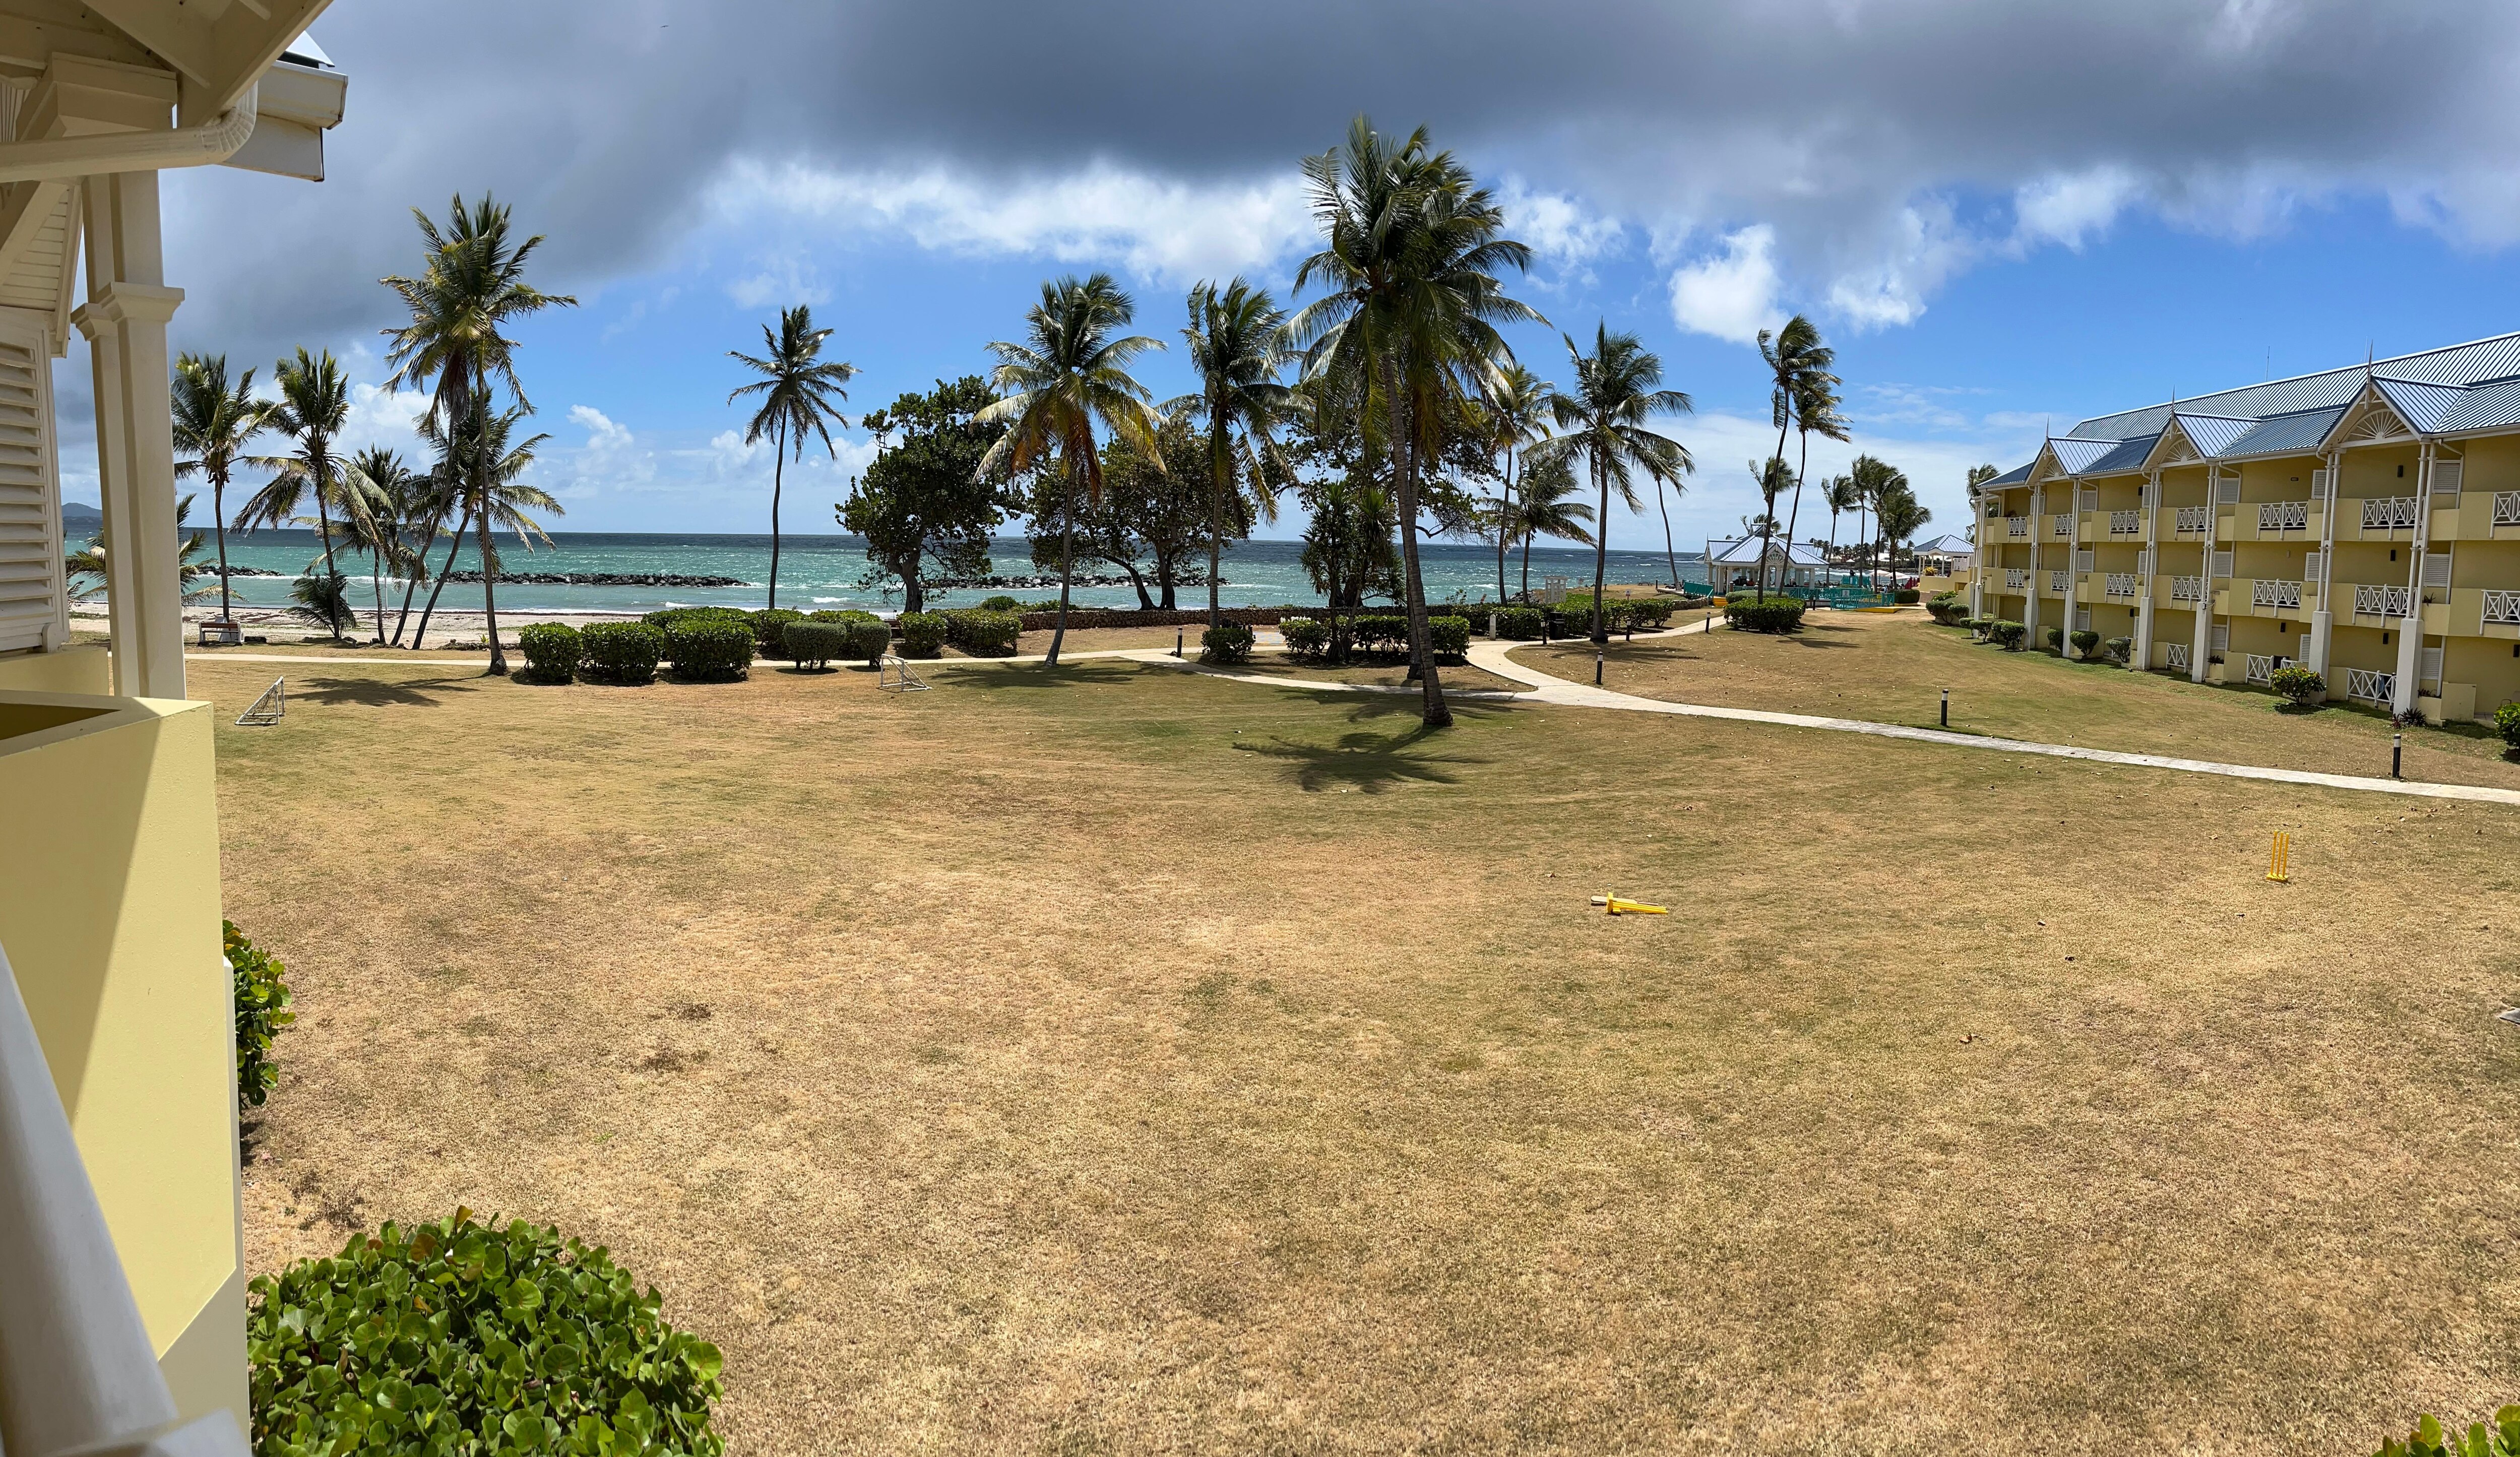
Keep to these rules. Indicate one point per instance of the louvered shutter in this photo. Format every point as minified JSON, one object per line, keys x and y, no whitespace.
{"x":30,"y":520}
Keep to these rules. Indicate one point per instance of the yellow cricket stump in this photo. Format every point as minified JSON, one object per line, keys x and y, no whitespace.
{"x":1617,"y":908}
{"x":2281,"y":870}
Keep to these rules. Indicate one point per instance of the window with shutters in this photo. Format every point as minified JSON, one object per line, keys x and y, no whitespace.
{"x":2221,"y":639}
{"x":32,"y":603}
{"x":2221,"y":563}
{"x":2088,"y":499}
{"x":2319,"y":484}
{"x":2436,"y":569}
{"x":2431,"y":670}
{"x":2446,"y":476}
{"x":2082,"y":619}
{"x":2083,"y":560}
{"x":2227,"y":492}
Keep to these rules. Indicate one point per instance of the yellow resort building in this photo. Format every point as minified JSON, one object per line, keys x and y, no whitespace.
{"x":2363,"y":522}
{"x":122,"y":1297}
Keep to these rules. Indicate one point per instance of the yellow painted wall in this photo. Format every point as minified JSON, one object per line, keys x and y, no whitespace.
{"x":112,"y":923}
{"x":86,"y":670}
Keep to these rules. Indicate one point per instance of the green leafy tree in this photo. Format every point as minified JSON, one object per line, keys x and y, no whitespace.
{"x":800,"y":395}
{"x":1155,"y":516}
{"x":1545,"y":510}
{"x":1066,"y":375}
{"x":1237,"y":349}
{"x":1602,"y":421}
{"x":471,"y":287}
{"x":314,"y":405}
{"x":1348,"y":551}
{"x":1798,"y":370}
{"x":923,"y":504}
{"x":216,"y":420}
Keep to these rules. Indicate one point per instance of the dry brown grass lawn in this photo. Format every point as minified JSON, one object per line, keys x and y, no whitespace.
{"x":1892,"y":668}
{"x":1125,"y":1061}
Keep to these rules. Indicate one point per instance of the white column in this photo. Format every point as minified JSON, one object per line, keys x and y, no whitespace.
{"x":2030,"y":597}
{"x":2411,"y":629}
{"x":2204,"y":642}
{"x":124,"y":319}
{"x":2322,"y":623}
{"x":2073,"y":573}
{"x":2151,"y":562}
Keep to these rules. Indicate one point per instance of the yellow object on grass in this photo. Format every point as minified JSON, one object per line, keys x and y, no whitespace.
{"x":1617,"y":908}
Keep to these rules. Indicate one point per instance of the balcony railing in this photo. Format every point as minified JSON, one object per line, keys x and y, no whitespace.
{"x":2187,"y":589}
{"x":2284,"y":516}
{"x":2390,"y":513}
{"x":2502,"y":606}
{"x":2262,"y":668}
{"x":2174,"y":655}
{"x":2507,"y":508}
{"x":2370,"y":687}
{"x":2126,"y":522}
{"x":2016,"y":526}
{"x":2057,"y":581}
{"x":2383,"y":601}
{"x":2278,"y":594}
{"x":2193,"y":519}
{"x":2016,"y":578}
{"x":2120,"y":584}
{"x":2061,"y":525}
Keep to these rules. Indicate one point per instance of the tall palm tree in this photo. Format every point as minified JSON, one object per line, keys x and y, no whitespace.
{"x":314,"y":405}
{"x":1901,"y":518}
{"x":471,"y":286}
{"x":1796,"y":360}
{"x":1068,"y":373}
{"x":1516,"y":410}
{"x":480,"y":458}
{"x":1771,"y":477}
{"x":382,"y":530}
{"x":216,"y":420}
{"x":797,"y":388}
{"x":1237,"y":347}
{"x":1409,"y":251}
{"x":1877,"y":480}
{"x":422,"y":502}
{"x":1816,"y":409}
{"x":1545,"y":510}
{"x":1842,"y":497}
{"x":1602,"y":419}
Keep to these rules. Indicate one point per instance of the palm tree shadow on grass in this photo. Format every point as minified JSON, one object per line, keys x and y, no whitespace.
{"x":379,"y":693}
{"x":1362,"y":760}
{"x":1087,"y":673}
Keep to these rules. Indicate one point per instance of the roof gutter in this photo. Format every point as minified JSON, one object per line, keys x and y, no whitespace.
{"x":207,"y":145}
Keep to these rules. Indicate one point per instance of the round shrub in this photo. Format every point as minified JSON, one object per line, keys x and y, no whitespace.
{"x":1650,"y":612}
{"x":2507,"y":722}
{"x":1907,"y":596}
{"x":984,"y":635}
{"x":2119,"y":649}
{"x":1379,"y":632}
{"x":2007,"y":635}
{"x":1776,"y":615}
{"x":2303,"y":686}
{"x":2055,"y":637}
{"x":2084,"y":640}
{"x":456,"y":1337}
{"x":1520,"y":623}
{"x":844,"y":615}
{"x":814,"y":644}
{"x":552,"y":651}
{"x":1000,"y":602}
{"x":1229,"y":643}
{"x":1449,"y":638}
{"x":261,"y":1011}
{"x":708,"y":650}
{"x":622,"y":654}
{"x":1308,"y":638}
{"x":922,"y":634}
{"x":1982,"y":626}
{"x":770,"y":631}
{"x":666,"y":618}
{"x":867,"y":642}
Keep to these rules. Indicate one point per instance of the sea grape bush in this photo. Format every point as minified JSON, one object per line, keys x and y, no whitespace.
{"x":983,"y":634}
{"x":1520,"y":623}
{"x":1308,"y":638}
{"x":552,"y":651}
{"x":622,"y":654}
{"x":922,"y":634}
{"x":455,"y":1338}
{"x":770,"y":630}
{"x":261,"y":1011}
{"x":2301,"y":685}
{"x":2084,"y":640}
{"x":709,"y":649}
{"x":1448,"y":638}
{"x":2429,"y":1439}
{"x":2007,"y":635}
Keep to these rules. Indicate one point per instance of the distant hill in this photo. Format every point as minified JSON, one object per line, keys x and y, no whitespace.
{"x":79,"y":517}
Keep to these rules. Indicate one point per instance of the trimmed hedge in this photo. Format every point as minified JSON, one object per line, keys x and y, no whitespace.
{"x":984,"y":635}
{"x":1307,"y":638}
{"x":1521,"y":624}
{"x":922,"y":634}
{"x":2008,"y":634}
{"x":2507,"y":722}
{"x":844,"y":615}
{"x":2084,"y":640}
{"x":455,"y":1338}
{"x":1448,"y":638}
{"x":665,"y":618}
{"x":1002,"y":603}
{"x":709,"y":649}
{"x":2055,"y":638}
{"x":552,"y":651}
{"x":2119,"y":649}
{"x":1907,"y":596}
{"x":622,"y":654}
{"x":1776,"y":615}
{"x":770,"y":631}
{"x":1231,"y":643}
{"x":261,"y":1011}
{"x":814,"y":645}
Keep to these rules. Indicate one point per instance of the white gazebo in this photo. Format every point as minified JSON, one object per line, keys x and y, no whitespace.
{"x":1735,"y":562}
{"x":1944,"y":556}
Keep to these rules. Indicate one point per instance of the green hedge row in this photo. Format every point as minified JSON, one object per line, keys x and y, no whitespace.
{"x":1774,"y":615}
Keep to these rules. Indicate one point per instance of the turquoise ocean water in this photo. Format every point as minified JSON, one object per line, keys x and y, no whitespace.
{"x":828,"y":572}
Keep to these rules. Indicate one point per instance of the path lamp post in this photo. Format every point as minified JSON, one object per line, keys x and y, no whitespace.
{"x":1947,"y":708}
{"x":1597,"y":669}
{"x":2397,"y":756}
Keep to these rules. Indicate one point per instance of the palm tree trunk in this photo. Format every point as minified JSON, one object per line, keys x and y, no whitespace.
{"x":1437,"y":713}
{"x":1669,"y":556}
{"x":1526,"y":566}
{"x":377,"y":584}
{"x":1066,"y":565}
{"x":454,"y":544}
{"x":1794,"y":518}
{"x":219,"y":520}
{"x":1220,"y":463}
{"x":1600,"y":553}
{"x":1504,"y":521}
{"x":411,"y":584}
{"x":324,"y":529}
{"x":778,"y":474}
{"x":491,"y":596}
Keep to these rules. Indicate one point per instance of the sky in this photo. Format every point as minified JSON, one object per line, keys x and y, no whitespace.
{"x":2006,"y":214}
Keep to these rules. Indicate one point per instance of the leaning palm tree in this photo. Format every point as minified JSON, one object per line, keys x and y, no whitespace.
{"x":1796,"y":361}
{"x":1545,"y":510}
{"x":1815,"y":410}
{"x":313,"y":407}
{"x":1409,"y":251}
{"x":1236,"y":349}
{"x":471,"y":286}
{"x":1068,"y":373}
{"x":478,"y":458}
{"x":1876,"y":482}
{"x":382,"y":530}
{"x":800,"y":394}
{"x":1901,"y":518}
{"x":216,"y":420}
{"x":1771,"y":477}
{"x":421,"y":502}
{"x":1602,"y":420}
{"x":1840,"y":493}
{"x":1515,"y":409}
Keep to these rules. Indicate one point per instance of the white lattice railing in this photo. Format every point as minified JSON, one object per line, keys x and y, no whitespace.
{"x":2061,"y":525}
{"x":2187,"y":589}
{"x":2174,"y":654}
{"x":2016,"y":578}
{"x":2390,"y":513}
{"x":2269,"y":593}
{"x":2126,"y":522}
{"x":2507,"y":508}
{"x":2502,"y":606}
{"x":2120,"y":584}
{"x":2016,"y":526}
{"x":2191,"y":519}
{"x":2370,"y":687}
{"x":2056,"y":582}
{"x":2284,"y":516}
{"x":2383,"y":601}
{"x":2262,"y":668}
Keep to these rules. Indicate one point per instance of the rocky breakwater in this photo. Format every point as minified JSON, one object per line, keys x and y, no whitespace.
{"x":605,"y":580}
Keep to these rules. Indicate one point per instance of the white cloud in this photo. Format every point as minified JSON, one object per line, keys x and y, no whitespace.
{"x":381,"y":417}
{"x":611,"y":461}
{"x":786,"y":281}
{"x":1923,"y":249}
{"x":1731,"y":295}
{"x":1560,"y":228}
{"x":2068,"y":207}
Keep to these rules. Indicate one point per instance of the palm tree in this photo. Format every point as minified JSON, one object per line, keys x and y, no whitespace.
{"x":1068,"y":373}
{"x":1409,"y":248}
{"x":214,"y":422}
{"x":1545,"y":510}
{"x":381,"y":532}
{"x":1875,"y":480}
{"x":1602,"y":419}
{"x":1816,"y":405}
{"x":1771,"y":477}
{"x":422,"y":501}
{"x":314,"y":405}
{"x":1797,"y":362}
{"x":1901,"y":518}
{"x":797,"y":387}
{"x":477,"y":458}
{"x":471,"y":285}
{"x":1516,"y":408}
{"x":88,"y":569}
{"x":1237,"y":347}
{"x":1842,"y":497}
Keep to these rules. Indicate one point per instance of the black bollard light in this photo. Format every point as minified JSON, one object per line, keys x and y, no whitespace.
{"x":1597,"y":669}
{"x":1947,"y":708}
{"x":2397,"y":756}
{"x":1180,"y":635}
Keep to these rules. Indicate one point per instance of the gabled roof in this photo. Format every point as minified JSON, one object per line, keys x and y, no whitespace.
{"x":2075,"y":454}
{"x":2422,"y":406}
{"x":2126,"y":455}
{"x":1947,"y":546}
{"x":2212,"y":435}
{"x":1744,"y":552}
{"x":2460,"y":366}
{"x":2017,"y":475}
{"x":2491,"y":405}
{"x":2282,"y":433}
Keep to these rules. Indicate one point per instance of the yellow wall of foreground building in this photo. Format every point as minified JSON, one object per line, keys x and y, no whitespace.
{"x":88,"y":670}
{"x":112,"y":922}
